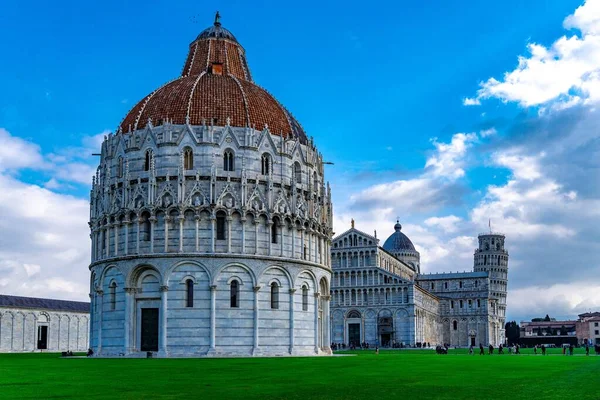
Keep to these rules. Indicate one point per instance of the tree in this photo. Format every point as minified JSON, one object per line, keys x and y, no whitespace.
{"x":512,"y":332}
{"x":563,"y":330}
{"x":547,"y":318}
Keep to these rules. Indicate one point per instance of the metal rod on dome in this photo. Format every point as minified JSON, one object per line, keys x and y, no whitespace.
{"x":327,"y":163}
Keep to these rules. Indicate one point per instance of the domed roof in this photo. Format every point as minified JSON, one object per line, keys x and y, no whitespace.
{"x":216,"y":31}
{"x":398,"y":241}
{"x":215,"y":87}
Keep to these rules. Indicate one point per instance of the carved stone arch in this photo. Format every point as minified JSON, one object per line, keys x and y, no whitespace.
{"x":170,"y":270}
{"x":277,"y":267}
{"x":108,"y":268}
{"x":135,"y":273}
{"x":338,"y":315}
{"x":401,"y":313}
{"x":353,"y":313}
{"x":228,"y":192}
{"x":385,"y":312}
{"x":239,"y":280}
{"x":312,"y":276}
{"x":234,"y":264}
{"x":196,"y":196}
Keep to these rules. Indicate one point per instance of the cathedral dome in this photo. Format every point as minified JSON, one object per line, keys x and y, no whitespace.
{"x":398,"y":241}
{"x":215,"y":88}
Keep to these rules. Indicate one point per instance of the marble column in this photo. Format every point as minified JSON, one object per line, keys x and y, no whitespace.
{"x":292,"y":327}
{"x":229,"y":221}
{"x":317,"y":323}
{"x":116,"y":241}
{"x":255,"y":222}
{"x":126,"y":249}
{"x":197,"y":233}
{"x":213,"y":317}
{"x":129,"y":295}
{"x":243,"y":220}
{"x":256,"y":319}
{"x":181,"y":219}
{"x":152,"y":223}
{"x":213,"y":221}
{"x":269,"y":234}
{"x":100,"y":303}
{"x":167,"y":221}
{"x":137,"y":245}
{"x":164,"y":290}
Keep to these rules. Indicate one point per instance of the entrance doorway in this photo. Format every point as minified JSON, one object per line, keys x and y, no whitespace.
{"x":472,"y":340}
{"x":149,"y":340}
{"x":385,"y":339}
{"x":354,"y":334}
{"x":42,"y":337}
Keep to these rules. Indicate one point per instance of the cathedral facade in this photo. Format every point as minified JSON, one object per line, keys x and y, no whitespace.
{"x":211,"y":220}
{"x":379,"y":295}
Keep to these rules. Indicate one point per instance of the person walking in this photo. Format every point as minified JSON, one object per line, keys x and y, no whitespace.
{"x":491,"y":349}
{"x":517,"y":351}
{"x":471,"y":350}
{"x":564,"y":350}
{"x":535,"y":350}
{"x":571,"y":348}
{"x":481,"y":352}
{"x":543,"y":349}
{"x":587,"y":349}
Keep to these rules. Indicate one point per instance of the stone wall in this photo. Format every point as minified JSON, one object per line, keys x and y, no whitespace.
{"x":19,"y":330}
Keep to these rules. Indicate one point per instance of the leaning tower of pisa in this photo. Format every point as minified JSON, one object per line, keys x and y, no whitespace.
{"x":492,"y":257}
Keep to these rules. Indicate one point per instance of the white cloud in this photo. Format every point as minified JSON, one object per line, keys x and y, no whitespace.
{"x":563,"y":75}
{"x":447,"y":224}
{"x":16,"y":153}
{"x":469,"y":101}
{"x":448,"y":160}
{"x":44,"y":242}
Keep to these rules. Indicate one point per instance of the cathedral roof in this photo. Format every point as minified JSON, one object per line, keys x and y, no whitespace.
{"x":215,"y":87}
{"x":398,"y":241}
{"x":43,"y":304}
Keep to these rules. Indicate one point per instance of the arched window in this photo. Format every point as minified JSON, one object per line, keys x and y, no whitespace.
{"x":451,"y":303}
{"x":455,"y":325}
{"x":120,"y":167}
{"x":484,"y":260}
{"x":461,"y":304}
{"x":460,"y":284}
{"x":266,"y":164}
{"x":274,"y":230}
{"x":304,"y":298}
{"x":297,"y":172}
{"x":189,"y":293}
{"x":148,"y":160}
{"x":478,"y":303}
{"x":188,"y":159}
{"x":316,"y":185}
{"x":221,"y":226}
{"x":274,"y":296}
{"x":234,"y":294}
{"x":228,"y":158}
{"x":113,"y":296}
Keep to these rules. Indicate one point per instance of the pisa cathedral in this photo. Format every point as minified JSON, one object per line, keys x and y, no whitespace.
{"x":379,"y":295}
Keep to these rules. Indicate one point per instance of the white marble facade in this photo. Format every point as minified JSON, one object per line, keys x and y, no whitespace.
{"x":380,"y":297}
{"x":38,"y":325}
{"x":167,"y":210}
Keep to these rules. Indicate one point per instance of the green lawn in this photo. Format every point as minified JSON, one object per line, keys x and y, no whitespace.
{"x":418,"y":374}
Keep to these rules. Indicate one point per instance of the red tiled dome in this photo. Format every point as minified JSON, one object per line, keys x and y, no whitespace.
{"x":215,"y":85}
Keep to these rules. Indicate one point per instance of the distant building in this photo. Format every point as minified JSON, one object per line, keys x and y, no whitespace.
{"x":379,"y":295}
{"x":588,"y":328}
{"x":30,"y":324}
{"x":548,"y":332}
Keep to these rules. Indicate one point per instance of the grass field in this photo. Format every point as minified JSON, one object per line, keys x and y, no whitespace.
{"x":418,"y":374}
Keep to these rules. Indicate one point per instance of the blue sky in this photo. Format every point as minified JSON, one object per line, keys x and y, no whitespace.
{"x":382,"y":90}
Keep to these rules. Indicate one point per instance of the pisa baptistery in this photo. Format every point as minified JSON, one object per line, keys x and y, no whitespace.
{"x":210,"y":220}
